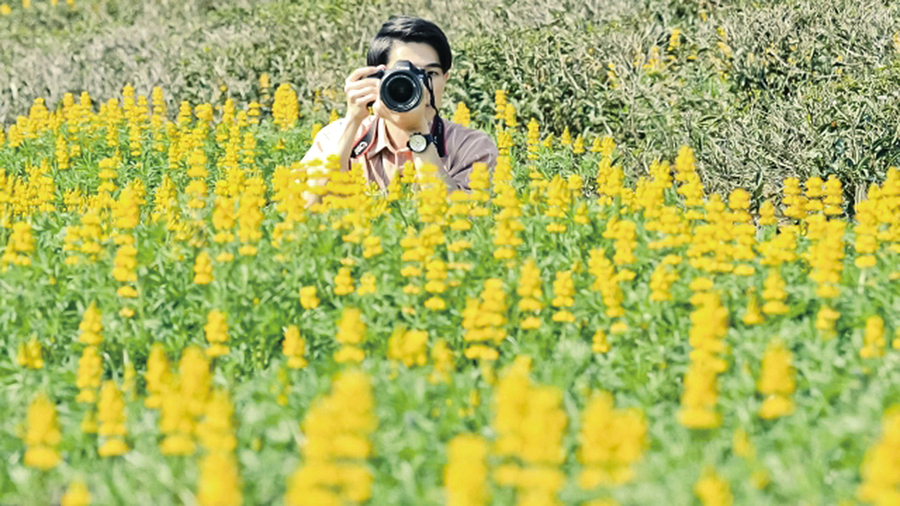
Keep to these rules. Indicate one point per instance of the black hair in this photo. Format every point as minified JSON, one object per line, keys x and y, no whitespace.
{"x":408,"y":29}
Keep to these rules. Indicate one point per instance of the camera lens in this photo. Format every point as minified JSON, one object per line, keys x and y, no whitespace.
{"x":401,"y":91}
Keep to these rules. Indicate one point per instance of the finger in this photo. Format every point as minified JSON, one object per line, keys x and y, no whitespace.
{"x":360,"y":73}
{"x":363,"y":102}
{"x":367,"y":97}
{"x":380,"y":110}
{"x":356,"y":95}
{"x":367,"y":101}
{"x":365,"y":84}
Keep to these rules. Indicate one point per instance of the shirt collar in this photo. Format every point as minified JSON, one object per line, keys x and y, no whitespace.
{"x":381,"y":140}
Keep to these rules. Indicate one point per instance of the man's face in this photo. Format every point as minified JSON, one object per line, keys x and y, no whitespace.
{"x":424,"y":57}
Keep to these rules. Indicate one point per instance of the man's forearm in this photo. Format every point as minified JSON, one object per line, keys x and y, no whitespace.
{"x":346,"y":142}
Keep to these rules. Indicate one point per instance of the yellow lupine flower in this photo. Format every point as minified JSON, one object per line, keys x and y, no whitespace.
{"x":408,"y":346}
{"x":216,"y":330}
{"x":294,"y":347}
{"x":203,"y":269}
{"x":776,"y":381}
{"x":350,"y":334}
{"x":712,"y":490}
{"x":30,"y":354}
{"x":335,"y":473}
{"x":611,"y":441}
{"x":111,"y":413}
{"x":220,"y":483}
{"x":77,"y":494}
{"x":308,"y":299}
{"x":42,"y":434}
{"x":465,"y":475}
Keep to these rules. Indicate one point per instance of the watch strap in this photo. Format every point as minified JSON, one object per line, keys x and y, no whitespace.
{"x":429,"y":139}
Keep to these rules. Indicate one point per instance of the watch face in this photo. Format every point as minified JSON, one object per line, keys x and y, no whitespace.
{"x":418,"y":143}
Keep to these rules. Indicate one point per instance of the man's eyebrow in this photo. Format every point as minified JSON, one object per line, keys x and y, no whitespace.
{"x":438,"y":65}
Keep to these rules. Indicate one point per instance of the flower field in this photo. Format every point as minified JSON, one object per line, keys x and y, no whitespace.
{"x":176,"y":327}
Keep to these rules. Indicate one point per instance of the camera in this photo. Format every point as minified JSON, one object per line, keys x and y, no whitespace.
{"x":401,"y":86}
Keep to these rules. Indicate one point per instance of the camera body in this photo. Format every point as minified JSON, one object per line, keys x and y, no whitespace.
{"x":401,"y":86}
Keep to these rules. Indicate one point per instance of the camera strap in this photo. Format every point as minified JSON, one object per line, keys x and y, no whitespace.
{"x":437,"y":126}
{"x":364,"y":144}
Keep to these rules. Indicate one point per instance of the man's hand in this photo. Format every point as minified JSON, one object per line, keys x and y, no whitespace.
{"x":361,"y":91}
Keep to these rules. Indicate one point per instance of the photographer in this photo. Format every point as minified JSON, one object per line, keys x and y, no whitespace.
{"x":383,"y":142}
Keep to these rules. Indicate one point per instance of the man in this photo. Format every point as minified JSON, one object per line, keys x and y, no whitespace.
{"x":380,"y":142}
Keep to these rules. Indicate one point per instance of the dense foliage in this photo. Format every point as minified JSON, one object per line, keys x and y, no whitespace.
{"x":761,"y":90}
{"x":178,"y":328}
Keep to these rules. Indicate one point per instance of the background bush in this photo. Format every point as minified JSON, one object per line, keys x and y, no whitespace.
{"x":761,"y":90}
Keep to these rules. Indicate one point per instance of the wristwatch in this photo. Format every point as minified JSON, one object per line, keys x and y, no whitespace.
{"x":419,"y":142}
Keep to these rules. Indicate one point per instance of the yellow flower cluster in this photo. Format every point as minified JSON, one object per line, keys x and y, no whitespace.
{"x":484,"y":320}
{"x":599,"y":342}
{"x":157,"y":376}
{"x":709,"y":324}
{"x":111,"y":413}
{"x":606,"y":281}
{"x":294,"y":348}
{"x":610,"y":178}
{"x":509,"y":116}
{"x":563,"y":297}
{"x":408,"y":346}
{"x":558,"y":202}
{"x":873,"y":338}
{"x":866,"y":229}
{"x":443,"y":362}
{"x":203,"y":269}
{"x":124,"y":265}
{"x":450,"y":243}
{"x":465,"y":475}
{"x":774,"y":294}
{"x":351,"y":333}
{"x":337,"y":430}
{"x":506,"y":219}
{"x":285,"y":110}
{"x":436,"y":276}
{"x":712,"y":490}
{"x":19,"y":244}
{"x":826,"y":254}
{"x":611,"y":440}
{"x":499,"y":104}
{"x":880,"y":472}
{"x":88,"y":378}
{"x":533,"y":141}
{"x":43,"y":434}
{"x":216,"y":330}
{"x":661,"y":281}
{"x":530,"y":425}
{"x":461,"y":114}
{"x":183,"y":402}
{"x":776,"y":382}
{"x":30,"y":354}
{"x":531,"y":295}
{"x":308,"y":298}
{"x":220,"y":483}
{"x":77,"y":494}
